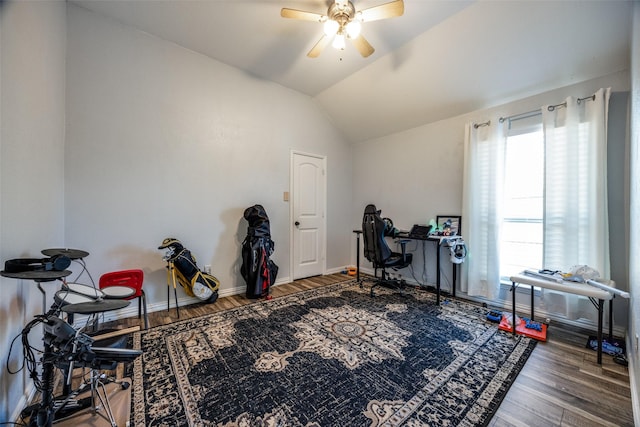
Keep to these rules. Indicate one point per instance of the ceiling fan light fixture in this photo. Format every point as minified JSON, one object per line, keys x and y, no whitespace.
{"x":353,"y":29}
{"x":343,"y":20}
{"x":338,"y":42}
{"x":331,"y":27}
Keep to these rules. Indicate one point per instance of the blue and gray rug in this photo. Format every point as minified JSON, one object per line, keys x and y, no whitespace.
{"x":331,"y":356}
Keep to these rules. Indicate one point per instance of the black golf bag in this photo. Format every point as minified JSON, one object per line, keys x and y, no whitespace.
{"x":258,"y":270}
{"x":195,"y":282}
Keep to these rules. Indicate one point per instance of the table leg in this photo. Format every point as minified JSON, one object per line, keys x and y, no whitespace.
{"x":600,"y":310}
{"x":513,"y":300}
{"x":454,"y":278}
{"x":358,"y":258}
{"x":438,"y":273}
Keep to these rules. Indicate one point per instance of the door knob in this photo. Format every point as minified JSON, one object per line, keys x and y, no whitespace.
{"x":297,"y":223}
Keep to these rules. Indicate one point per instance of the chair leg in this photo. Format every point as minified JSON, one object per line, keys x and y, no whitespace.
{"x":379,"y":281}
{"x":144,"y":306}
{"x":383,"y":279}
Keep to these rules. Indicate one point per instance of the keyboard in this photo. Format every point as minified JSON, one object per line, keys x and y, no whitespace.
{"x":419,"y":232}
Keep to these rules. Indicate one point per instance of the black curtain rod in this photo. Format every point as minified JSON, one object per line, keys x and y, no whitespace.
{"x":477,"y":125}
{"x":521,"y":115}
{"x":564,"y":104}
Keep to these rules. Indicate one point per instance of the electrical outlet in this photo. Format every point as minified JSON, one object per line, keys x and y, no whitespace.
{"x":207,"y":269}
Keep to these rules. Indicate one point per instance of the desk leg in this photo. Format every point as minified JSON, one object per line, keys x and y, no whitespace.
{"x":438,"y":273}
{"x":358,"y":233}
{"x":454,"y":275}
{"x":513,"y":301}
{"x":600,"y":310}
{"x":358,"y":258}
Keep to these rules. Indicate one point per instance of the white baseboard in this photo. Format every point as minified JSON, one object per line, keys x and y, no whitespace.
{"x":336,"y":270}
{"x":132,"y":309}
{"x":27,"y":396}
{"x":505,"y":305}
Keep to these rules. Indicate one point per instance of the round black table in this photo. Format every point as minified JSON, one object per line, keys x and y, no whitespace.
{"x":38,"y":276}
{"x":76,"y":255}
{"x":99,"y":306}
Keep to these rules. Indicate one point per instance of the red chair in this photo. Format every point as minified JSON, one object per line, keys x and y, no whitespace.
{"x":125,"y":284}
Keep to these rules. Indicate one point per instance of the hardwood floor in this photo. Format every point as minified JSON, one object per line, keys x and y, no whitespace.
{"x":560,"y":385}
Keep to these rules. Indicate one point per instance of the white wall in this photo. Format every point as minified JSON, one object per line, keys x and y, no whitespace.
{"x":415,"y":175}
{"x":162,"y":141}
{"x":634,"y":213}
{"x":32,"y":84}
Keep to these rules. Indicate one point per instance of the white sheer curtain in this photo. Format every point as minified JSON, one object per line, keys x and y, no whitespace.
{"x":576,"y":226}
{"x":484,"y":152}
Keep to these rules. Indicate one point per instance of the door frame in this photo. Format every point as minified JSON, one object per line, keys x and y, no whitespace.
{"x":292,"y":154}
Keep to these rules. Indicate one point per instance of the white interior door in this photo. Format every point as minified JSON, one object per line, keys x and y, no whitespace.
{"x":308,"y":198}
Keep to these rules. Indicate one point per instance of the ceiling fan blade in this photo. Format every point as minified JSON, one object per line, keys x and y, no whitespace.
{"x":363,"y":46}
{"x":300,"y":14}
{"x":319,"y":47}
{"x":387,"y":10}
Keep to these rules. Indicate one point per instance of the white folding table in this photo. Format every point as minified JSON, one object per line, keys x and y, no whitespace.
{"x":597,"y":296}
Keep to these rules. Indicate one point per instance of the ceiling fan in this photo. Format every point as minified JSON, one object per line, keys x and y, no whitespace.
{"x":342,"y":21}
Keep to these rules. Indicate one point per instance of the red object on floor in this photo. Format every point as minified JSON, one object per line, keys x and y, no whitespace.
{"x":521,"y":328}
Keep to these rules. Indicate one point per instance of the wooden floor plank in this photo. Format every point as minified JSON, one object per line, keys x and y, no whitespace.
{"x":572,"y":377}
{"x":571,"y":395}
{"x":519,"y":403}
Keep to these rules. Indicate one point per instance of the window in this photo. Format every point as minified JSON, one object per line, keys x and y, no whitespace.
{"x":537,"y":199}
{"x":522,"y":225}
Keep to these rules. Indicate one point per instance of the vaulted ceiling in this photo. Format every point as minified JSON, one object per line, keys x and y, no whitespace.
{"x":442,"y":58}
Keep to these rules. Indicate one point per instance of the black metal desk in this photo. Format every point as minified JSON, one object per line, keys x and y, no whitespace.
{"x":454,"y":274}
{"x":358,"y":233}
{"x":435,"y":239}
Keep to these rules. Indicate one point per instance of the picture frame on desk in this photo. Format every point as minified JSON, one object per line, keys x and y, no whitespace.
{"x":455,"y":222}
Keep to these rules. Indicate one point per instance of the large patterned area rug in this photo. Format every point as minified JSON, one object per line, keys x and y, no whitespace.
{"x":331,"y":356}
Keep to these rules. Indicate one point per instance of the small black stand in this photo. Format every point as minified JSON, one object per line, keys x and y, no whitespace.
{"x":45,"y":411}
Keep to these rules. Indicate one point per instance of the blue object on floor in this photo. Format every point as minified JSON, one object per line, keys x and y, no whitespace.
{"x":607,"y":347}
{"x":533,"y":325}
{"x":494,"y":316}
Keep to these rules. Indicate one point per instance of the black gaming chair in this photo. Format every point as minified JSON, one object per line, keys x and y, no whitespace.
{"x":376,"y":250}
